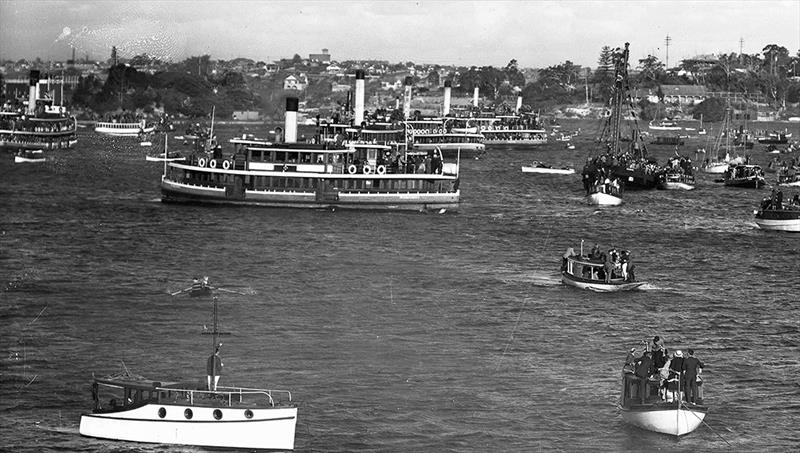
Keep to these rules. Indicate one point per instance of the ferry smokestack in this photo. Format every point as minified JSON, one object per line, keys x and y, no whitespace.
{"x":447,"y":87}
{"x":33,"y":91}
{"x":407,"y":98}
{"x":359,"y":109}
{"x":519,"y":103}
{"x":290,"y":126}
{"x":475,"y":97}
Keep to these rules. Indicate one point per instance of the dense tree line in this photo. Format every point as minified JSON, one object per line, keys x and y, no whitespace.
{"x":193,"y":86}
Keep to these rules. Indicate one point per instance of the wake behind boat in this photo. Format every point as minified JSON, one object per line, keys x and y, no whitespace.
{"x":132,"y":408}
{"x":539,"y":167}
{"x":602,"y":272}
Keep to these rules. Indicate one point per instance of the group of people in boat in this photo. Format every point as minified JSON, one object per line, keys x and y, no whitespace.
{"x":665,"y":374}
{"x":775,"y":202}
{"x":616,"y":264}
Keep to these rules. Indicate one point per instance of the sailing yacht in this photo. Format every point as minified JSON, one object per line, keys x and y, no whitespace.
{"x":723,"y":144}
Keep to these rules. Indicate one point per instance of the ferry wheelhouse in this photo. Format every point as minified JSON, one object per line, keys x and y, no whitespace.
{"x":324,"y":174}
{"x":123,"y":129}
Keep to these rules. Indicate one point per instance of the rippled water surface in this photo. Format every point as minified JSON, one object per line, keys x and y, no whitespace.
{"x":395,"y":331}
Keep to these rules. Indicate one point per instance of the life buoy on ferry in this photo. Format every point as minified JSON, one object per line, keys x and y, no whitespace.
{"x":381,"y":170}
{"x":212,"y":163}
{"x":201,"y":162}
{"x":226,"y":164}
{"x":352,"y":169}
{"x":483,"y":127}
{"x":367,"y":170}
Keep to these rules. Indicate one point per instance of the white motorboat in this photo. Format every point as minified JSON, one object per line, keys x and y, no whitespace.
{"x":676,"y":181}
{"x":538,"y":167}
{"x":641,"y":406}
{"x":585,"y":273}
{"x":29,"y":156}
{"x":132,"y":408}
{"x":604,"y":199}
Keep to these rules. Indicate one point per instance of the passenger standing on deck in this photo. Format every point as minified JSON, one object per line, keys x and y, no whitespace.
{"x":608,"y":268}
{"x":658,"y":352}
{"x":644,"y":369}
{"x":676,"y":368}
{"x":214,"y":370}
{"x":690,"y":368}
{"x":568,"y":254}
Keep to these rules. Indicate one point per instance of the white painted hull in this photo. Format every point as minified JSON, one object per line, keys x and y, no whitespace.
{"x":463,"y":147}
{"x":179,"y":192}
{"x":604,"y":199}
{"x":123,"y":132}
{"x":676,"y":422}
{"x":161,"y":159}
{"x":554,"y":171}
{"x":676,"y":186}
{"x":28,"y":160}
{"x":599,"y":286}
{"x":779,"y":225}
{"x":790,"y":184}
{"x":269,"y":428}
{"x":716,"y":168}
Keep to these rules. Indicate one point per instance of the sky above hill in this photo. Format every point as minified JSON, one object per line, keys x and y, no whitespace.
{"x":535,"y":33}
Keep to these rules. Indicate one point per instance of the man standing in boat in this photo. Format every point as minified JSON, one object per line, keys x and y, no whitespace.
{"x":690,"y":370}
{"x":214,"y":369}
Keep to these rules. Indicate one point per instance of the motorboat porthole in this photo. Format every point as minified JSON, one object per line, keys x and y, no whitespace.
{"x":217,"y":414}
{"x":162,"y":412}
{"x":188,"y":414}
{"x":248,"y":413}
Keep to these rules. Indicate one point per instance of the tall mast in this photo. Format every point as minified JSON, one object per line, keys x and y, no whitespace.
{"x":620,"y":77}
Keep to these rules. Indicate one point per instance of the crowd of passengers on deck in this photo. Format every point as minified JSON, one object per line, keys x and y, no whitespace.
{"x":670,"y":372}
{"x":775,"y":202}
{"x":616,"y":264}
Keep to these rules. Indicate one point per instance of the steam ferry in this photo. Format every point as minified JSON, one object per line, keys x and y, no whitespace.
{"x":123,"y":129}
{"x":343,"y":167}
{"x":42,"y":126}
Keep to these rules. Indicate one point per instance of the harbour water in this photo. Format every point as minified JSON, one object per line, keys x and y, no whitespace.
{"x":395,"y":331}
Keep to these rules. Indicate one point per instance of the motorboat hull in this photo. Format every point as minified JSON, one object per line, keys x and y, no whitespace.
{"x":666,"y":420}
{"x":604,"y":199}
{"x":594,"y":285}
{"x":545,"y":170}
{"x":268,"y":428}
{"x":675,"y":186}
{"x":778,"y":220}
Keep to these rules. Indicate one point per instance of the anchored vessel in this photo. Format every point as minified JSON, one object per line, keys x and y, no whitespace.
{"x":136,"y":409}
{"x":775,"y":215}
{"x":359,"y":172}
{"x":123,"y":129}
{"x":592,"y":272}
{"x":642,"y":406}
{"x":746,"y":176}
{"x":43,"y":126}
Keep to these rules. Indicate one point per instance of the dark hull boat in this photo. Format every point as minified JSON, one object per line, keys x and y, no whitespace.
{"x":745,"y":176}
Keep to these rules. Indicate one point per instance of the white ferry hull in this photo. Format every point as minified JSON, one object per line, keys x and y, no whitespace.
{"x":269,"y":428}
{"x":128,"y":132}
{"x":779,"y":225}
{"x":676,"y":422}
{"x":604,"y":199}
{"x":410,"y":201}
{"x":451,"y":147}
{"x":515,"y":142}
{"x":554,"y":171}
{"x":790,"y":184}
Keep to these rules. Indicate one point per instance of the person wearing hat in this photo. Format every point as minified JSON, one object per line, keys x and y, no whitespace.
{"x":676,"y":367}
{"x":214,"y":369}
{"x":691,"y":365}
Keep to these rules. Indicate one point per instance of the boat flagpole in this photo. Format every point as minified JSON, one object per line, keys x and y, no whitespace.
{"x":166,"y":153}
{"x":211,"y":134}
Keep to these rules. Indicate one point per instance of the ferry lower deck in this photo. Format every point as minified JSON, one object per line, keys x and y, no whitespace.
{"x":293,"y":189}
